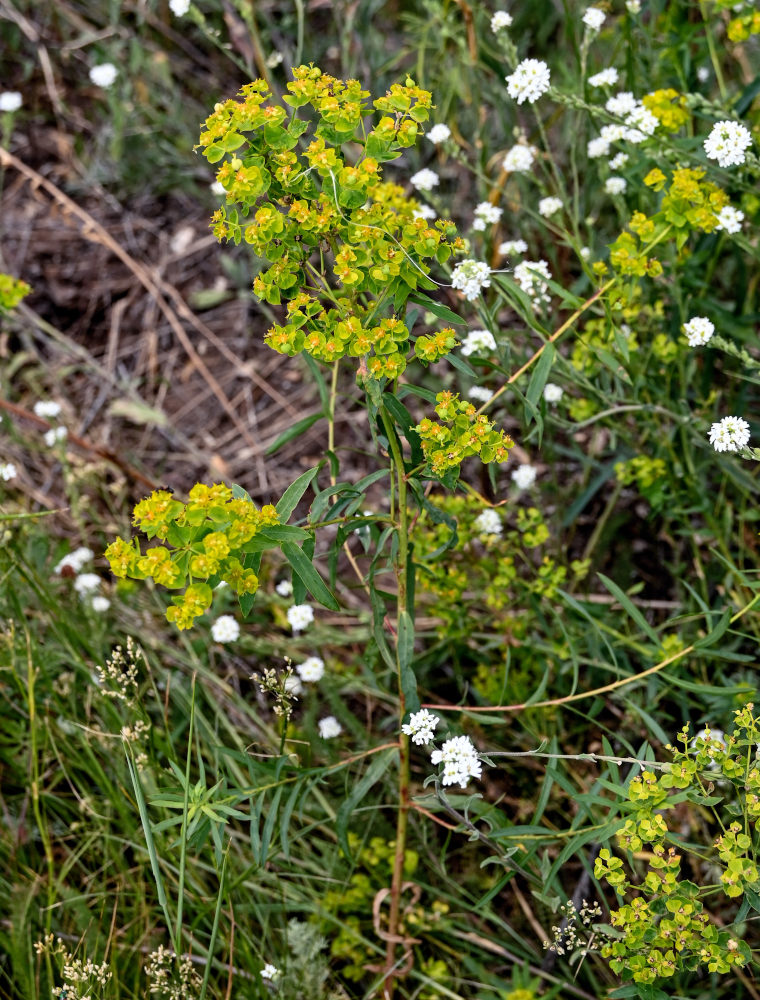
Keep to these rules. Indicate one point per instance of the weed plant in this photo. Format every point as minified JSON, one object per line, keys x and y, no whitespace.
{"x":478,"y":719}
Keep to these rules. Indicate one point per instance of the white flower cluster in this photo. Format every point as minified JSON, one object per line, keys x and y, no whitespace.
{"x":593,"y":18}
{"x":549,"y":206}
{"x":618,"y":160}
{"x":284,"y":588}
{"x":729,"y":434}
{"x":615,"y":185}
{"x":425,"y":179}
{"x":460,"y":761}
{"x":421,"y":726}
{"x":600,"y":146}
{"x":470,"y":277}
{"x":486,"y":214}
{"x":638,"y":123}
{"x":529,"y":81}
{"x":225,"y":629}
{"x":509,"y":247}
{"x":532,"y":277}
{"x":10,"y":100}
{"x":311,"y":670}
{"x":480,"y":394}
{"x":7,"y":471}
{"x":179,"y":7}
{"x":329,"y":727}
{"x":478,"y":342}
{"x":501,"y":19}
{"x":729,"y":219}
{"x":728,"y":143}
{"x":520,"y":159}
{"x":553,"y":393}
{"x":270,"y":972}
{"x":524,"y":476}
{"x":87,"y":583}
{"x":698,"y":331}
{"x":48,"y":409}
{"x":300,"y":616}
{"x":104,"y":75}
{"x":605,"y":78}
{"x":438,"y":133}
{"x":74,"y":560}
{"x":488,"y":522}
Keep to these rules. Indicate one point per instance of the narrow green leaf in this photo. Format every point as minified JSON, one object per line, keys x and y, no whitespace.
{"x":437,"y":309}
{"x":540,"y":375}
{"x":405,"y":659}
{"x":299,"y":427}
{"x":630,"y":608}
{"x":373,"y":774}
{"x":313,"y":582}
{"x":294,"y":492}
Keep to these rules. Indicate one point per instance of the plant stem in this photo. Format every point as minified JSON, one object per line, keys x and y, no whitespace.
{"x":331,"y":418}
{"x":402,"y":567}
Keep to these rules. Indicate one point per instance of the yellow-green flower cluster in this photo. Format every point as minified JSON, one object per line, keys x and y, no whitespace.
{"x":461,"y":432}
{"x":12,"y":291}
{"x":308,"y":208}
{"x":668,"y":107}
{"x":206,"y":541}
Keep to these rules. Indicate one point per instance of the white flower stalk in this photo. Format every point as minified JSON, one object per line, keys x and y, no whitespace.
{"x":421,"y":727}
{"x":225,"y":629}
{"x":460,"y":761}
{"x":471,"y":277}
{"x":486,"y":214}
{"x":524,"y":476}
{"x":488,"y":522}
{"x":728,"y":143}
{"x":698,"y":331}
{"x":549,"y":206}
{"x":520,"y":159}
{"x":529,"y":81}
{"x":615,"y":185}
{"x":532,"y":277}
{"x":593,"y":18}
{"x":329,"y":727}
{"x":553,"y":393}
{"x":729,"y":434}
{"x":179,"y":7}
{"x":622,"y":104}
{"x":425,"y":180}
{"x":438,"y":134}
{"x":509,"y":247}
{"x":311,"y":670}
{"x":104,"y":75}
{"x":478,"y":342}
{"x":270,"y":972}
{"x":300,"y":616}
{"x":500,"y":20}
{"x":729,"y":219}
{"x":10,"y":101}
{"x":605,"y":78}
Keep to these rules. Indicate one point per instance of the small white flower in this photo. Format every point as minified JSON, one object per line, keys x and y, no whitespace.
{"x":54,"y":435}
{"x":488,"y":522}
{"x":311,"y":670}
{"x":86,"y":583}
{"x":424,"y":180}
{"x":501,"y":19}
{"x":103,"y":75}
{"x":300,"y":616}
{"x":529,"y":81}
{"x":284,"y":588}
{"x":225,"y":629}
{"x":597,"y":147}
{"x":478,"y":342}
{"x":270,"y":972}
{"x":100,"y":604}
{"x":7,"y":471}
{"x":641,"y":119}
{"x":520,"y":159}
{"x":75,"y":560}
{"x":10,"y":100}
{"x":593,"y":18}
{"x":615,"y":185}
{"x":217,"y":189}
{"x":438,"y":133}
{"x":509,"y":247}
{"x":479,"y":393}
{"x":47,"y":409}
{"x":728,"y":143}
{"x":729,"y":219}
{"x":729,"y":434}
{"x":585,"y":252}
{"x":274,"y":59}
{"x":698,"y":331}
{"x":524,"y":476}
{"x":424,"y":212}
{"x":179,"y":7}
{"x":293,"y":685}
{"x":532,"y":277}
{"x":633,"y":6}
{"x":470,"y":277}
{"x":623,"y":103}
{"x":421,"y":726}
{"x":703,"y":74}
{"x":605,"y":78}
{"x":329,"y":727}
{"x":549,"y":206}
{"x":618,"y":160}
{"x":460,"y":761}
{"x":486,"y":214}
{"x":553,"y":393}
